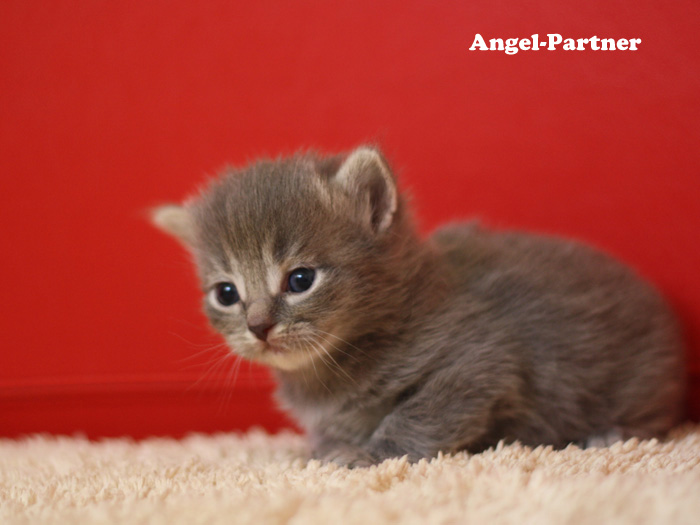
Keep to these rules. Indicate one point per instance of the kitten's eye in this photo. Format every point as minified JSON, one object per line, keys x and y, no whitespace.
{"x":226,"y":294}
{"x":300,"y":280}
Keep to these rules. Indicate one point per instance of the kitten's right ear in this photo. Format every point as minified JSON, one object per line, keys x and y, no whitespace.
{"x":366,"y":176}
{"x":176,"y":220}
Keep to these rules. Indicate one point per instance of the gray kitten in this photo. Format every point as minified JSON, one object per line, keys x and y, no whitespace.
{"x":385,"y":344}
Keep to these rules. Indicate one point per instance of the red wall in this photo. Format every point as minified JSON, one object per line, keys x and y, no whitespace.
{"x":107,"y":108}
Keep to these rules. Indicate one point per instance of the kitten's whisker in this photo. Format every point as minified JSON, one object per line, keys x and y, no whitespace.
{"x":229,"y":380}
{"x":303,"y":369}
{"x":211,"y":361}
{"x":197,"y":345}
{"x":211,"y":371}
{"x":214,"y":372}
{"x":322,"y":339}
{"x":230,"y":384}
{"x":208,"y":372}
{"x":306,"y":347}
{"x":249,"y":368}
{"x":217,"y":353}
{"x":325,"y":340}
{"x":342,"y":341}
{"x":215,"y":348}
{"x":221,"y":383}
{"x":330,"y":356}
{"x":239,"y":363}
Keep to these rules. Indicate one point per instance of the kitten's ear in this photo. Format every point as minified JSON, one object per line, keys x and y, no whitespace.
{"x":176,"y":220}
{"x":367,"y":177}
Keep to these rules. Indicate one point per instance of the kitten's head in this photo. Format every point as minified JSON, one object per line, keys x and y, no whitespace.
{"x":296,"y":256}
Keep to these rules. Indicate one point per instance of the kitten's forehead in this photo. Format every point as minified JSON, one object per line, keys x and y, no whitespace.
{"x":258,"y":217}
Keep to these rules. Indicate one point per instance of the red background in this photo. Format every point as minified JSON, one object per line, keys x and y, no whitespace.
{"x":107,"y":108}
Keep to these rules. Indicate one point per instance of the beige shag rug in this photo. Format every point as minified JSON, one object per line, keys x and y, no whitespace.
{"x":258,"y":478}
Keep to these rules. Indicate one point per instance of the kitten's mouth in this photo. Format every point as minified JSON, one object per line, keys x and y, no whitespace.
{"x":284,"y":353}
{"x":274,"y":347}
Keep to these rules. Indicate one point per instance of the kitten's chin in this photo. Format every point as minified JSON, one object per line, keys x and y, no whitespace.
{"x":288,"y":360}
{"x":276,"y":355}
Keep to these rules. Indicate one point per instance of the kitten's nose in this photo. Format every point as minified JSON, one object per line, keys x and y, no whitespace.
{"x":261,"y":330}
{"x":260,"y":318}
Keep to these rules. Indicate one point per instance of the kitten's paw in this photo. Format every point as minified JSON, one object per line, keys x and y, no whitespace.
{"x":347,"y":456}
{"x":603,"y":440}
{"x":386,"y":448}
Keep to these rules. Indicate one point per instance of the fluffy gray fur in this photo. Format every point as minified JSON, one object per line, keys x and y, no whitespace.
{"x":410,"y":346}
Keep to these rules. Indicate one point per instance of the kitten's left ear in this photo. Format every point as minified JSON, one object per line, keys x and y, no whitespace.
{"x":367,"y":177}
{"x":176,"y":220}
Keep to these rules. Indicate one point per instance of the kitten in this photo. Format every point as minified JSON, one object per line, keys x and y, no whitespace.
{"x":385,"y":344}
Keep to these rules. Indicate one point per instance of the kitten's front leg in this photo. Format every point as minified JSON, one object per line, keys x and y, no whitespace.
{"x":436,"y":418}
{"x":401,"y":435}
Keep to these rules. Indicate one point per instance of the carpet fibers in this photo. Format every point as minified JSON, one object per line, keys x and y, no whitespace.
{"x":258,"y":478}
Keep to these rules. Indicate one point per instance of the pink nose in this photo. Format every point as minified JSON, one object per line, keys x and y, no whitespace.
{"x":261,"y":330}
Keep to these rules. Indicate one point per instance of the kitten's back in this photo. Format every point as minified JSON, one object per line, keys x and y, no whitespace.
{"x":591,"y":341}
